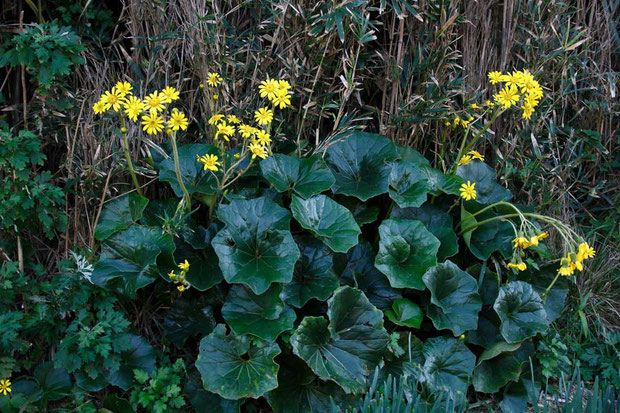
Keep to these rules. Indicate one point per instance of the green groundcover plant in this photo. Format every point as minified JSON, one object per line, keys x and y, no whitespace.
{"x":302,"y":271}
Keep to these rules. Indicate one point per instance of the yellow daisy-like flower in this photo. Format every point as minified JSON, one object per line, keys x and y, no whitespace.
{"x":457,"y":121}
{"x":567,"y":266}
{"x":177,"y":120}
{"x":268,"y":88}
{"x":209,"y":162}
{"x":284,"y":85}
{"x":513,"y":79}
{"x":216,"y":96}
{"x":233,"y":119}
{"x":247,"y":130}
{"x":585,"y":251}
{"x":133,"y":107}
{"x":465,"y":123}
{"x":527,"y":111}
{"x":468,"y":191}
{"x":224,"y":130}
{"x":474,"y":106}
{"x":465,"y":160}
{"x":184,"y":266}
{"x":282,"y":99}
{"x":124,"y":88}
{"x":155,"y":102}
{"x":170,"y":94}
{"x":495,"y":77}
{"x":213,"y":79}
{"x":520,"y":266}
{"x":181,"y":288}
{"x":507,"y":97}
{"x":263,"y":138}
{"x":258,"y":150}
{"x":112,"y":99}
{"x":521,"y":242}
{"x":5,"y":386}
{"x":263,"y":116}
{"x":152,"y":123}
{"x":213,"y":120}
{"x":488,"y":103}
{"x":172,"y":275}
{"x":447,"y":123}
{"x":476,"y":155}
{"x":99,"y":107}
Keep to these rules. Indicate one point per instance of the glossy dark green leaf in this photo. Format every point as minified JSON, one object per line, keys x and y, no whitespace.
{"x":128,"y":259}
{"x":487,"y":238}
{"x":496,"y":367}
{"x":441,"y":183}
{"x":264,"y":315}
{"x":206,"y":402}
{"x":556,"y":297}
{"x":517,"y":395}
{"x":405,"y":313}
{"x":408,"y":185}
{"x":328,"y":220}
{"x":256,"y":247}
{"x":487,"y":188}
{"x":360,"y":164}
{"x":455,"y":302}
{"x":487,"y":334}
{"x":237,"y":366}
{"x":120,"y":214}
{"x":54,"y":383}
{"x":306,"y":176}
{"x":300,"y":391}
{"x":187,"y":318}
{"x":411,"y":155}
{"x":204,"y":271}
{"x":407,"y":361}
{"x":448,"y":364}
{"x":406,"y":250}
{"x":346,"y":350}
{"x":521,"y":312}
{"x":115,"y":404}
{"x":314,"y":276}
{"x":140,"y":356}
{"x":437,"y":221}
{"x":195,"y":178}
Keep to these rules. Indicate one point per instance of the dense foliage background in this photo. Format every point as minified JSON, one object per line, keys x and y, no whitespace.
{"x":393,"y":67}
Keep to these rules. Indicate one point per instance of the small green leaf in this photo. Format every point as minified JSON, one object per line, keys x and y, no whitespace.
{"x":306,"y":176}
{"x":405,"y":313}
{"x":120,"y":214}
{"x":521,"y":311}
{"x":330,"y":221}
{"x":406,"y":251}
{"x":487,"y":189}
{"x":408,"y":186}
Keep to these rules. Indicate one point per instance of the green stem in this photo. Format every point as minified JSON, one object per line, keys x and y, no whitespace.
{"x":464,"y":148}
{"x":486,"y":221}
{"x":544,"y":295}
{"x":128,"y":157}
{"x":175,"y":154}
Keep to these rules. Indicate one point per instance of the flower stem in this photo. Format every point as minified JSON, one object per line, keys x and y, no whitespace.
{"x":128,"y":157}
{"x":175,"y":154}
{"x":544,"y":295}
{"x":464,"y":148}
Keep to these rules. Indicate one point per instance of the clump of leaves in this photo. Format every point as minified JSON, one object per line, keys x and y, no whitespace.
{"x":161,"y":390}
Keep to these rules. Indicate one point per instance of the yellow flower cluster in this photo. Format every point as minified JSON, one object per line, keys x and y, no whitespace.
{"x":523,"y":242}
{"x":470,"y":156}
{"x":574,"y":261}
{"x":468,"y":191}
{"x":180,"y":277}
{"x":521,"y":86}
{"x":120,"y":99}
{"x":277,"y":91}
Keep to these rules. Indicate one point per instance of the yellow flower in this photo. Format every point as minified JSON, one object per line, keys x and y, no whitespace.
{"x":233,"y":119}
{"x":495,"y":77}
{"x":133,"y":107}
{"x":474,"y":106}
{"x":213,"y":79}
{"x":153,"y":123}
{"x":124,"y":88}
{"x":521,"y":242}
{"x":513,"y":79}
{"x":468,"y":191}
{"x":170,"y":94}
{"x":99,"y":107}
{"x":154,"y":102}
{"x":567,"y":266}
{"x":284,"y":85}
{"x":263,"y":116}
{"x":527,"y":111}
{"x":216,"y":96}
{"x":520,"y":266}
{"x":465,"y":123}
{"x":488,"y":103}
{"x":542,"y":235}
{"x":465,"y":160}
{"x":268,"y":88}
{"x":209,"y":162}
{"x":225,"y":130}
{"x":507,"y":96}
{"x":213,"y":120}
{"x":184,"y":266}
{"x":112,"y":99}
{"x":5,"y":386}
{"x":172,"y":275}
{"x":476,"y":155}
{"x":263,"y":138}
{"x":282,"y":99}
{"x":258,"y":150}
{"x":447,"y":123}
{"x":247,"y":130}
{"x":457,"y":121}
{"x":181,"y":288}
{"x":585,"y":251}
{"x":177,"y":120}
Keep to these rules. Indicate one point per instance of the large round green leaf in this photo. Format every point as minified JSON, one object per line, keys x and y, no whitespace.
{"x":195,"y":178}
{"x":540,"y":280}
{"x":328,"y":220}
{"x":408,"y":185}
{"x":313,"y":276}
{"x":405,"y":313}
{"x":264,"y":315}
{"x":360,"y":164}
{"x":139,"y":356}
{"x":187,"y":318}
{"x":128,"y":259}
{"x":406,"y":250}
{"x":120,"y":214}
{"x":497,"y":366}
{"x":448,"y":364}
{"x":256,"y":247}
{"x":437,"y":221}
{"x":485,"y":239}
{"x":487,"y":189}
{"x":305,"y":176}
{"x":441,"y":183}
{"x":455,"y":301}
{"x":347,"y":349}
{"x":237,"y":366}
{"x":521,"y":311}
{"x":54,"y":383}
